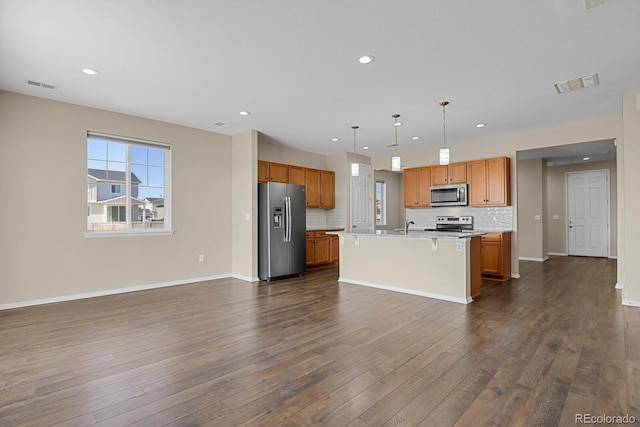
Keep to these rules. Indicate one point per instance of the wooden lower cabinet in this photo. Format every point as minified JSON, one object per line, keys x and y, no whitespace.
{"x":496,"y":256}
{"x":322,"y":248}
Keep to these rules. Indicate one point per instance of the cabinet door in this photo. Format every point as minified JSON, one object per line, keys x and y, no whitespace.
{"x":311,"y":253}
{"x":410,"y":177}
{"x":439,"y":175}
{"x":312,"y":182}
{"x":263,"y":171}
{"x":422,"y":190}
{"x":498,"y":178}
{"x":323,"y":250}
{"x":327,"y":189}
{"x":457,"y":173}
{"x":491,"y":257}
{"x":477,"y":183}
{"x":278,"y":172}
{"x":296,"y":175}
{"x":335,"y":248}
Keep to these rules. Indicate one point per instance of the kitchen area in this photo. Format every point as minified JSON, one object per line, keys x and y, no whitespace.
{"x":455,"y":231}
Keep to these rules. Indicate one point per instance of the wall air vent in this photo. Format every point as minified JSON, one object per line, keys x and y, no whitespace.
{"x":39,"y":84}
{"x":577,"y":83}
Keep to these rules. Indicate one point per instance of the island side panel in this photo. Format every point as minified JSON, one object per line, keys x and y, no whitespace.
{"x":408,"y":265}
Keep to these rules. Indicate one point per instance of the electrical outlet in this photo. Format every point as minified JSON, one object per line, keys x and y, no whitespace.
{"x":537,"y":217}
{"x":200,"y":258}
{"x":458,"y":246}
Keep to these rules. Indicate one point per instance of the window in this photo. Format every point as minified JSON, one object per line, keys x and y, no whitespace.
{"x":127,"y":186}
{"x":381,"y":203}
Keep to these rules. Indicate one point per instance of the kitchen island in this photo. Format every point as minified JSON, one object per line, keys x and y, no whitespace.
{"x":441,"y":265}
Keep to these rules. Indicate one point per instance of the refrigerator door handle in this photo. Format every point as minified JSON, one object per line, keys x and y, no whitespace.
{"x":288,"y":214}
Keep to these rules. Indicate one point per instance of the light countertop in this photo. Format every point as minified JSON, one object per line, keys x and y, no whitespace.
{"x":413,"y":234}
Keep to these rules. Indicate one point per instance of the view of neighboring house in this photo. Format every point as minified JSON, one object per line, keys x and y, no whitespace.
{"x":106,"y":199}
{"x":153,"y":209}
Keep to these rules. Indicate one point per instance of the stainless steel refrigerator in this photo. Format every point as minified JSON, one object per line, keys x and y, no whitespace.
{"x":282,"y":226}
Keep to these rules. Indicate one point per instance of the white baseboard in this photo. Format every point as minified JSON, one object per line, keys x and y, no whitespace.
{"x":245,"y":278}
{"x":613,"y":257}
{"x":515,"y":276}
{"x":113,"y":291}
{"x":407,"y":291}
{"x":631,"y":303}
{"x":619,"y":286}
{"x":558,"y":254}
{"x":522,"y":258}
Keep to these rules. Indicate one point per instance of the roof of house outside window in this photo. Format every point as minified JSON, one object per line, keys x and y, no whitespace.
{"x":101,"y":175}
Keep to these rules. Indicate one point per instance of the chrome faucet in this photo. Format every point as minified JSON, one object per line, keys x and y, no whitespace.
{"x":407,"y":223}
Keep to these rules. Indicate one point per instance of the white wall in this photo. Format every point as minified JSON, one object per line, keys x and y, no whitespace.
{"x":43,"y":166}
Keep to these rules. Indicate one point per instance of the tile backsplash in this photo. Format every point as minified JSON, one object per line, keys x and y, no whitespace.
{"x":486,"y":219}
{"x":322,"y":218}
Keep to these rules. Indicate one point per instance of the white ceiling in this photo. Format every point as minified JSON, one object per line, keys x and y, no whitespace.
{"x":292,"y":64}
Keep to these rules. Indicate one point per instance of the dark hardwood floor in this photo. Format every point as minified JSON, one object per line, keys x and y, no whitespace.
{"x":310,"y":351}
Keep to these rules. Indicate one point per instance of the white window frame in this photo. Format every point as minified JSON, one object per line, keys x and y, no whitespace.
{"x":383,"y":202}
{"x":117,"y":187}
{"x":130,"y":231}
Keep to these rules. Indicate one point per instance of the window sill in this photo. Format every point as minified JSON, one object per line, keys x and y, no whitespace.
{"x":101,"y":234}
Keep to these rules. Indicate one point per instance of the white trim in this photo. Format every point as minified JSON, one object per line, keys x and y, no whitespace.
{"x":111,"y":292}
{"x":557,"y":254}
{"x":515,"y":276}
{"x":245,"y":278}
{"x":525,"y":258}
{"x":128,"y":233}
{"x":619,"y":286}
{"x":407,"y":291}
{"x":613,"y":257}
{"x":631,"y":303}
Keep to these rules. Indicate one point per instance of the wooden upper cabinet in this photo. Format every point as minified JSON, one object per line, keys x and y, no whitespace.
{"x":416,"y":187}
{"x":455,"y":173}
{"x":278,"y":172}
{"x":327,"y":189}
{"x":263,"y":171}
{"x":297,"y":175}
{"x":490,"y":182}
{"x":312,"y":182}
{"x":272,"y":172}
{"x":320,"y":184}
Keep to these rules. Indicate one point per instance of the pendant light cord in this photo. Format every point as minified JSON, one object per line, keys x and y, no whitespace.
{"x":354,"y":142}
{"x":444,"y":124}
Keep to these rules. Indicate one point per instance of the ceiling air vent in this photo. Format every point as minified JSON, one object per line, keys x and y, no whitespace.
{"x":222,"y":125}
{"x":593,"y":3}
{"x":38,"y":84}
{"x":577,"y":83}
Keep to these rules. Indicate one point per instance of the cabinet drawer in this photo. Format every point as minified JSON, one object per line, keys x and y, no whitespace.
{"x":492,"y":237}
{"x":310,"y":235}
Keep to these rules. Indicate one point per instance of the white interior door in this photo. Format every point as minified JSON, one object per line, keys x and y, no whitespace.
{"x":361,"y":200}
{"x":588,"y":213}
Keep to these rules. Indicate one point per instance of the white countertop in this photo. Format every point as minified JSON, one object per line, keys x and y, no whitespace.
{"x":412,"y":234}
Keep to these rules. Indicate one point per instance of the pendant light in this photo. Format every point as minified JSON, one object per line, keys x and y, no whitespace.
{"x":395,"y":160}
{"x":444,"y":151}
{"x":355,"y":167}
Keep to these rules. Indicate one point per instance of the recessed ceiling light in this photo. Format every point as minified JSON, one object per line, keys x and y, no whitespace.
{"x":335,"y":139}
{"x":415,"y":137}
{"x":366,"y":147}
{"x":481,"y":125}
{"x":90,"y":71}
{"x":245,"y":113}
{"x":366,"y":59}
{"x":586,"y":158}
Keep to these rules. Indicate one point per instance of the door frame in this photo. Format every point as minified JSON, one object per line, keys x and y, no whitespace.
{"x":566,"y":201}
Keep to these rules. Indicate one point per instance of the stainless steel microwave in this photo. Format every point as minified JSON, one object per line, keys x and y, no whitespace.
{"x":449,"y":195}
